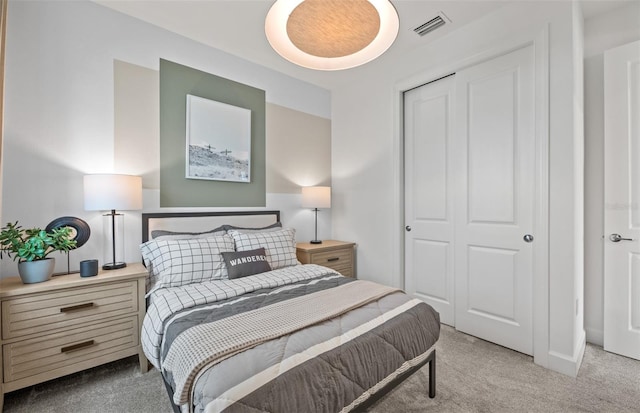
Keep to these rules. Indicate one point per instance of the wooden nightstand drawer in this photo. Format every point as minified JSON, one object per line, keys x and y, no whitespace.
{"x":66,"y":308}
{"x":52,"y":355}
{"x":338,"y":259}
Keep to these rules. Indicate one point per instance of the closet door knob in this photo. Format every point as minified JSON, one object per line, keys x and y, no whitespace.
{"x":528,"y":238}
{"x":408,"y":228}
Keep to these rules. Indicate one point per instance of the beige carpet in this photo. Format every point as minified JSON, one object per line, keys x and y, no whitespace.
{"x":473,"y":376}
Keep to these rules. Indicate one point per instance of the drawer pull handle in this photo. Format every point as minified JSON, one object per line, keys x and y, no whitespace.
{"x":76,"y":307}
{"x":78,"y":346}
{"x":333,"y":259}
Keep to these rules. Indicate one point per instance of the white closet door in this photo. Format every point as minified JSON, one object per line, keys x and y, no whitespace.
{"x":495,"y":161}
{"x":622,"y":201}
{"x":428,"y":198}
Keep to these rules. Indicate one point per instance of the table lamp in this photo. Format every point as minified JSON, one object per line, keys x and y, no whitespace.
{"x":316,"y":197}
{"x":111,"y":192}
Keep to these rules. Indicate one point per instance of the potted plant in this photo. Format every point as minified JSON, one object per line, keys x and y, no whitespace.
{"x":30,"y":247}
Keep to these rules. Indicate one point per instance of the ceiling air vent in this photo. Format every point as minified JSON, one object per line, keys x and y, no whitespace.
{"x":438,"y":21}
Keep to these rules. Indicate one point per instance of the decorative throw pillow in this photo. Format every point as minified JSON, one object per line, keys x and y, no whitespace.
{"x":172,"y":263}
{"x":162,"y":234}
{"x":280,"y":246}
{"x":244,"y":263}
{"x":245,"y":230}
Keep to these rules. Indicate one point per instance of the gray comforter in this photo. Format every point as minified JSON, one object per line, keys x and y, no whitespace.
{"x":328,"y":366}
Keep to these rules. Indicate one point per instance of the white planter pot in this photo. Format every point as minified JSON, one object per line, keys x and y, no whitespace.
{"x":32,"y":272}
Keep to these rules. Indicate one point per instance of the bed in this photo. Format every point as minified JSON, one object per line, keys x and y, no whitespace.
{"x":236,"y":324}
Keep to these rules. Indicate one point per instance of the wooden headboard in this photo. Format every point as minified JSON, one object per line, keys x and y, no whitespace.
{"x":204,"y":221}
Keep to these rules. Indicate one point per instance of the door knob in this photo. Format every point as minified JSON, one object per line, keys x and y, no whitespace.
{"x":528,"y":238}
{"x":618,"y":238}
{"x":408,"y":228}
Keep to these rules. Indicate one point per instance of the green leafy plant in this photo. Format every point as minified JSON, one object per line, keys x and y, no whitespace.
{"x":33,"y":244}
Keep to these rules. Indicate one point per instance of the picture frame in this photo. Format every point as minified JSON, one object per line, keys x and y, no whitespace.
{"x":218,"y":141}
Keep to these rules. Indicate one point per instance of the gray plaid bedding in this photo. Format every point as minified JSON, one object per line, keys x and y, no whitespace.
{"x":329,"y":366}
{"x":167,"y":303}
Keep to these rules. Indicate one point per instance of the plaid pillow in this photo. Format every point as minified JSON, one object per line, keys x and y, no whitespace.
{"x":280,"y":246}
{"x":172,"y":263}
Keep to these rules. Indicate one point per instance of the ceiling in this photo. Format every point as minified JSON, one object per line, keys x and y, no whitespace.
{"x":237,"y":26}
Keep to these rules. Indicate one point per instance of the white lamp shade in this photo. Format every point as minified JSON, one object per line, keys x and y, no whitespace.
{"x":110,"y":191}
{"x":316,"y":197}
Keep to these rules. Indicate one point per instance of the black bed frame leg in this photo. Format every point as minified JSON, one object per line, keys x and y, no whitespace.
{"x":432,"y":375}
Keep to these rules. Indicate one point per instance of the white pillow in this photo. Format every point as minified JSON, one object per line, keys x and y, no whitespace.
{"x":280,"y":246}
{"x":172,"y":263}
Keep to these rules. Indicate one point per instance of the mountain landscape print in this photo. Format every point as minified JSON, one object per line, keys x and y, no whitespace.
{"x":218,"y":144}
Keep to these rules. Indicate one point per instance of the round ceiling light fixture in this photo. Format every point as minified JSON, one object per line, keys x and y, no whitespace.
{"x":331,"y":34}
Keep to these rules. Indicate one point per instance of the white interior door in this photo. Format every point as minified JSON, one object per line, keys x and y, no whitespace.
{"x":622,"y":201}
{"x":495,"y":159}
{"x":428,"y":196}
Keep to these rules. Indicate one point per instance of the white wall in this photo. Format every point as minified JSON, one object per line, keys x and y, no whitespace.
{"x":59,"y":111}
{"x":366,"y":160}
{"x":603,"y":32}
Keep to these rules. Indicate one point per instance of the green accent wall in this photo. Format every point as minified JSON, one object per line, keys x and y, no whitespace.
{"x":176,"y":81}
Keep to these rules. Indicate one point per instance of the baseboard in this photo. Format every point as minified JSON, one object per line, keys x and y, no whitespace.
{"x":565,"y":364}
{"x":595,"y":336}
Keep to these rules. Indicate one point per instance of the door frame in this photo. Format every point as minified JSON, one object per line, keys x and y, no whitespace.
{"x":540,"y":42}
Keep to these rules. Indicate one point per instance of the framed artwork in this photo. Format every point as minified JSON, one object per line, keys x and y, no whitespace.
{"x":218,"y":143}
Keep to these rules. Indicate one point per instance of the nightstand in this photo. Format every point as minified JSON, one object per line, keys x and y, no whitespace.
{"x":69,"y":324}
{"x":338,"y":255}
